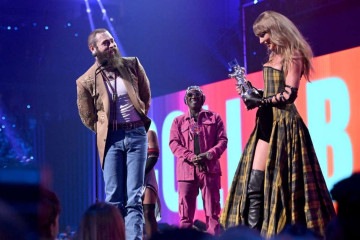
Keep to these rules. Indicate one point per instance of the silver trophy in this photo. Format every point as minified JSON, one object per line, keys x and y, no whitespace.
{"x":247,"y":90}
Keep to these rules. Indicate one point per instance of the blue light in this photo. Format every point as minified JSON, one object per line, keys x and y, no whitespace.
{"x":8,"y":27}
{"x":69,"y":24}
{"x":46,"y":27}
{"x":28,"y":106}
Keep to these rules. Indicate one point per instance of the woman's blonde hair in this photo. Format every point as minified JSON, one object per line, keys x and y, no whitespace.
{"x":287,"y":38}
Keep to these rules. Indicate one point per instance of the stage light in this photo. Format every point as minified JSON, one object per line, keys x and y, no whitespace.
{"x":88,"y":11}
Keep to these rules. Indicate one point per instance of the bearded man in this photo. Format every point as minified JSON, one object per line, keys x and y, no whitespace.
{"x":113,"y":98}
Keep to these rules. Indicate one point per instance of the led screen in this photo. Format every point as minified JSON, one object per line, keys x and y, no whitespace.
{"x":327,"y":104}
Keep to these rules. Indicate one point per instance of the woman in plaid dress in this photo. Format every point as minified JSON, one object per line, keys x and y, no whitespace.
{"x":278,"y":180}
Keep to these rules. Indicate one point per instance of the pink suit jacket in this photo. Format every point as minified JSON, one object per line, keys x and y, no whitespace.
{"x":212,"y":138}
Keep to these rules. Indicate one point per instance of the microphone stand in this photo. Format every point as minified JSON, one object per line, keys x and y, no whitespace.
{"x":96,"y":170}
{"x":97,"y":71}
{"x":95,"y":145}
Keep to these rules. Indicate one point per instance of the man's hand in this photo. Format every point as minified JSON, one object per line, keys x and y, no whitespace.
{"x":199,"y":161}
{"x":204,"y":156}
{"x":202,"y":167}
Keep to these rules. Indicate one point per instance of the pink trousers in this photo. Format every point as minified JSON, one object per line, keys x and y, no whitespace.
{"x":209,"y":184}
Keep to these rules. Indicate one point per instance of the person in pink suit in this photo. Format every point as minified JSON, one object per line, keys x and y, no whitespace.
{"x":197,"y":139}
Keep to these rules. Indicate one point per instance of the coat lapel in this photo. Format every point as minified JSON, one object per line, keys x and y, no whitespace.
{"x":100,"y":84}
{"x":101,"y":89}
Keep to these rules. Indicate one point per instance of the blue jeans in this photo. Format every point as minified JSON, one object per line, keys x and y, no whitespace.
{"x":124,"y":170}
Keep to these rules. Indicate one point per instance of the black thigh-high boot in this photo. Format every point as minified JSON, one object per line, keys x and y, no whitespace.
{"x":255,"y":197}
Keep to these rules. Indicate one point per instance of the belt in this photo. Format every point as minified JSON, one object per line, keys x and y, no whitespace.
{"x":128,"y":125}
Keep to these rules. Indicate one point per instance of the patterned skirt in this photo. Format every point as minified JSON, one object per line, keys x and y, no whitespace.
{"x":295,"y":191}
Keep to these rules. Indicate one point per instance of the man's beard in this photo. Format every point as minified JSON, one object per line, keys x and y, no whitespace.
{"x":110,"y":61}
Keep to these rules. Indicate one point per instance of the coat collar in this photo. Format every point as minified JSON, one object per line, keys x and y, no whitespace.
{"x":188,"y":116}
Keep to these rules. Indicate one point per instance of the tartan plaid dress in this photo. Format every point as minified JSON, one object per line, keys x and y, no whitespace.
{"x":294,"y":190}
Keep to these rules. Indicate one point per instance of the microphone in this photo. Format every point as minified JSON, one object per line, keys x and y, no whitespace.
{"x":100,"y":68}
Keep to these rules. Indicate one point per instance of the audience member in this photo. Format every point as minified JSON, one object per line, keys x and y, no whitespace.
{"x":20,"y":191}
{"x":102,"y":221}
{"x":12,"y":226}
{"x":347,"y":195}
{"x":182,"y":234}
{"x":240,"y":232}
{"x":297,"y":232}
{"x":49,"y":212}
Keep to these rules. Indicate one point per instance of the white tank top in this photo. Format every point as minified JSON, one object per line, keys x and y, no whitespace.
{"x":125,"y":111}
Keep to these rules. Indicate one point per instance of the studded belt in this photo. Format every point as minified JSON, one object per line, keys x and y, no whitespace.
{"x":128,"y":125}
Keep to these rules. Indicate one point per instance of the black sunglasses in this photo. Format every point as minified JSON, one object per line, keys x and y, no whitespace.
{"x":193,"y":94}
